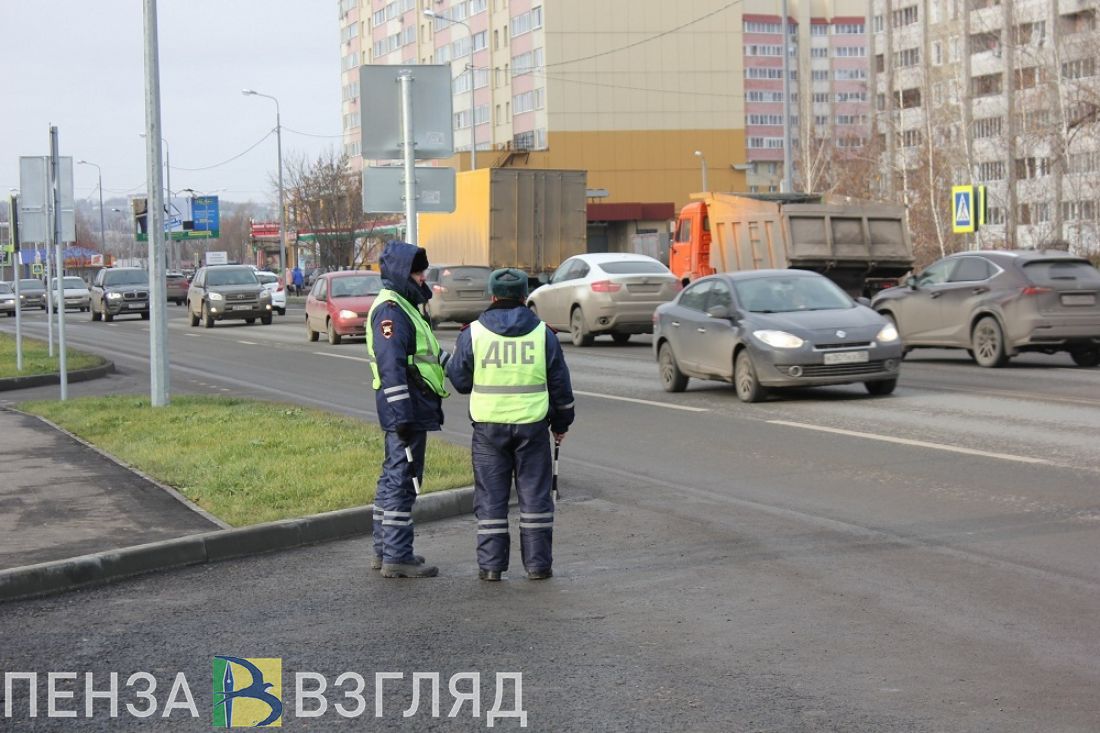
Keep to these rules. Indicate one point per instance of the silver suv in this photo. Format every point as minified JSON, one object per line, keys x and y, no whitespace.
{"x":227,"y":292}
{"x":119,"y":291}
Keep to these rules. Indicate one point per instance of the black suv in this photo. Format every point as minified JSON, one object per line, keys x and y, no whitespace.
{"x":227,"y":292}
{"x":120,"y":290}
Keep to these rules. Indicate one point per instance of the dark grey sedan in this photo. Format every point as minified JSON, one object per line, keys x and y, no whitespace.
{"x":773,"y":328}
{"x":998,"y":304}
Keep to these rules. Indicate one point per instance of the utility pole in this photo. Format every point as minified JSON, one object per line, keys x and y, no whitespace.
{"x":54,"y":178}
{"x":158,"y":306}
{"x":786,"y":187}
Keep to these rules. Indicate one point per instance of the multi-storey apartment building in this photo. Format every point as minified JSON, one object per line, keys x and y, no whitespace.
{"x":625,"y":89}
{"x":996,"y":92}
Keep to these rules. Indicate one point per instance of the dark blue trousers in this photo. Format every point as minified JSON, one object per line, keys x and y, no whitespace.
{"x":394,"y":497}
{"x":501,"y":454}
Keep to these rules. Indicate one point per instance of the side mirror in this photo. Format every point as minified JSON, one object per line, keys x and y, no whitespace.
{"x":719,"y":311}
{"x":864,"y":301}
{"x":911,"y":282}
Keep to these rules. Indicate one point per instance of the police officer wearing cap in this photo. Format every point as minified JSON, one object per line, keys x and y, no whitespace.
{"x":511,"y":364}
{"x":405,"y":361}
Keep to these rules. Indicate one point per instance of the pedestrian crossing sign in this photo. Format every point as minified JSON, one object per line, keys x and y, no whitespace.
{"x":963,"y":216}
{"x":37,"y":269}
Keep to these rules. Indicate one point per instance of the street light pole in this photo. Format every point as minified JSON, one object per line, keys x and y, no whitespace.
{"x":470,"y":66}
{"x":282,"y":206}
{"x":102,"y":228}
{"x":699,"y":155}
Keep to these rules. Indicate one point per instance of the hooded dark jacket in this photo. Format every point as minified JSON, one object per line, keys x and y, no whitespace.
{"x":512,"y":318}
{"x":424,"y":409}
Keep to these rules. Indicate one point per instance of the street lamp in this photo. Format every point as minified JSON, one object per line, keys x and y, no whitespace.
{"x":102,"y":229}
{"x":282,"y":207}
{"x":701,"y":157}
{"x":470,"y":66}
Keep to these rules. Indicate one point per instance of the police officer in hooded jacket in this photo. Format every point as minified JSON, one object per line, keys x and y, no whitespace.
{"x":408,"y":389}
{"x":511,"y":364}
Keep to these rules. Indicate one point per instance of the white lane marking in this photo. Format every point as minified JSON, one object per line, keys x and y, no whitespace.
{"x":195,"y":335}
{"x":642,"y":402}
{"x":343,"y":356}
{"x":916,"y":443}
{"x":250,"y":343}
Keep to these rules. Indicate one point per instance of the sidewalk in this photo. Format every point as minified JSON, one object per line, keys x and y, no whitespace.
{"x":60,"y":499}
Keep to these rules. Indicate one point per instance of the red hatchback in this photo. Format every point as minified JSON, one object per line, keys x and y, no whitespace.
{"x":338,"y":304}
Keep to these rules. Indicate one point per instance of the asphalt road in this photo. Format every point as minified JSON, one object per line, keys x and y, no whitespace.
{"x":820,"y":561}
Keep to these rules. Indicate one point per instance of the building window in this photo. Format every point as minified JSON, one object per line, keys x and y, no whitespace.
{"x":851,"y":97}
{"x":907,"y":57}
{"x":765,"y":119}
{"x":995,"y":215}
{"x":821,"y":97}
{"x":1032,"y":167}
{"x":991,"y":170}
{"x":1027,"y":78}
{"x":846,"y":74}
{"x":937,"y":53}
{"x":526,"y":22}
{"x":1080,"y":68}
{"x":848,"y":29}
{"x":763,"y":49}
{"x":819,"y":75}
{"x":910,"y":98}
{"x":850,"y":52}
{"x":988,"y":127}
{"x":819,"y":53}
{"x":757,"y":27}
{"x":851,"y":119}
{"x":910,"y":138}
{"x":819,"y":29}
{"x":987,"y":85}
{"x":905,"y":16}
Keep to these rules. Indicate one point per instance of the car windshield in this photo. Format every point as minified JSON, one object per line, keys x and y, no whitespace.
{"x":785,"y":294}
{"x":633,"y":267}
{"x":73,"y":282}
{"x":267,"y":277}
{"x":30,"y":284}
{"x":355,"y":285}
{"x":1062,"y":272}
{"x":126,"y":277}
{"x":236,"y":276}
{"x":5,"y":288}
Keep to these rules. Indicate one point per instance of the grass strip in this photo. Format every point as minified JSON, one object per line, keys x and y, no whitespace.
{"x":37,"y":359}
{"x":248,"y":461}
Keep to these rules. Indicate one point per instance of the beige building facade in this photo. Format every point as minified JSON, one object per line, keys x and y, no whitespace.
{"x":625,"y":89}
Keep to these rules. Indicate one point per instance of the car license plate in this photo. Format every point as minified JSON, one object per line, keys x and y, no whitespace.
{"x":1078,"y":299}
{"x":135,"y":305}
{"x":847,"y":357}
{"x":240,"y":307}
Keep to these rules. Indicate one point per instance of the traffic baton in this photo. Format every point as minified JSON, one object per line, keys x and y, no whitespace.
{"x":557,"y":448}
{"x":412,"y":468}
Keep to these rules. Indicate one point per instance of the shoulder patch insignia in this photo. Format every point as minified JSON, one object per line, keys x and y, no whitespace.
{"x":387,"y":328}
{"x":464,"y":327}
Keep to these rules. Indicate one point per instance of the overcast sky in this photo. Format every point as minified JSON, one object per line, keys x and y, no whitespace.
{"x":79,"y":65}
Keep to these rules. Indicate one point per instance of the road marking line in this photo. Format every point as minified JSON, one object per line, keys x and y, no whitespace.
{"x":916,"y":443}
{"x":642,"y":402}
{"x":250,"y":343}
{"x":195,"y":335}
{"x":343,"y":356}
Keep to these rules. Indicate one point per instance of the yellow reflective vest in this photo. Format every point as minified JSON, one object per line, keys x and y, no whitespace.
{"x":426,"y":358}
{"x":509,"y":376}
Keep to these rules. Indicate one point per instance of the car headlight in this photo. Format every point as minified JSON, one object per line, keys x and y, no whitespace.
{"x":265,"y":294}
{"x":888,"y":333}
{"x":346,"y":314}
{"x":216,"y":296}
{"x":114,"y":296}
{"x":779,"y":339}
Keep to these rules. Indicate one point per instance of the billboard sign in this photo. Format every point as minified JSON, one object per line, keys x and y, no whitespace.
{"x":205,"y":215}
{"x":432,"y":122}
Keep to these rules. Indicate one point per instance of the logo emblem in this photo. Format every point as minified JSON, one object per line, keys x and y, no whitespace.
{"x":841,"y":334}
{"x":387,"y":329}
{"x":248,"y":692}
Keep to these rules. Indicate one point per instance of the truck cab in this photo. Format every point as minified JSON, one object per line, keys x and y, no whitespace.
{"x":689,"y":254}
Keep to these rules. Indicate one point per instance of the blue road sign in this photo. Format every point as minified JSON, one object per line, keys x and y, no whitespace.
{"x":205,"y":215}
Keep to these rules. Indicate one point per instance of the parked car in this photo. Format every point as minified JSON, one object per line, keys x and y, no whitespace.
{"x":7,"y":299}
{"x":610,"y":293}
{"x":227,"y":292}
{"x":76,"y":293}
{"x":338,"y":304}
{"x":33,"y":292}
{"x":176,"y":285}
{"x":273,"y":285}
{"x":459,"y":292}
{"x":120,"y":290}
{"x":998,"y":304}
{"x":761,"y":329}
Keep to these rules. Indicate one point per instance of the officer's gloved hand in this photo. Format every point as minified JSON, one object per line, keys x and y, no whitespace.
{"x":404,"y":432}
{"x":444,"y":357}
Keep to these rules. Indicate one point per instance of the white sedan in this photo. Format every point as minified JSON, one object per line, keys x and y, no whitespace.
{"x":274,"y":285}
{"x":76,"y":291}
{"x":608,"y":293}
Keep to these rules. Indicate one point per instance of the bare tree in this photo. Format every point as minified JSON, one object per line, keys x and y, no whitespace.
{"x":325,"y":200}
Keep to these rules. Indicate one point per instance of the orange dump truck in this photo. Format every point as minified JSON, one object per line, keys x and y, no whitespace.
{"x":861,"y":246}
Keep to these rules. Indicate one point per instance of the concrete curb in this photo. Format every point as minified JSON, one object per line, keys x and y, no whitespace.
{"x":101,"y":568}
{"x":41,"y":380}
